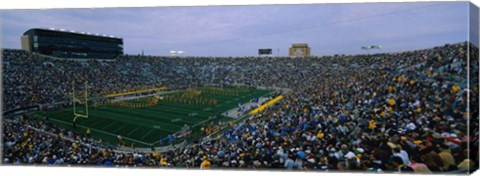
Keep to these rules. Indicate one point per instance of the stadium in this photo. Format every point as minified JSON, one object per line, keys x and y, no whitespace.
{"x":76,"y":99}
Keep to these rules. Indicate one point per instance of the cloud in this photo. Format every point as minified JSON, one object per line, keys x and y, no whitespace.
{"x":239,"y":30}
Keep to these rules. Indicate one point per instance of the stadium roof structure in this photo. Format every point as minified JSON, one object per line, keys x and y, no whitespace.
{"x":72,"y":32}
{"x":69,"y":44}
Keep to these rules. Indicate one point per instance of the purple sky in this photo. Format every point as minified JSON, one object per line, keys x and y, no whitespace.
{"x":240,"y":30}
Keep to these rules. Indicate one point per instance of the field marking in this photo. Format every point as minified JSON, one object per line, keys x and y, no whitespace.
{"x":130,"y":139}
{"x":118,"y":129}
{"x":98,"y":121}
{"x":108,"y":126}
{"x":168,"y":115}
{"x":104,"y":132}
{"x":150,"y":117}
{"x":134,"y":92}
{"x":204,"y":121}
{"x":133,"y":131}
{"x":151,"y":130}
{"x":236,"y":121}
{"x":217,"y":107}
{"x":234,"y":110}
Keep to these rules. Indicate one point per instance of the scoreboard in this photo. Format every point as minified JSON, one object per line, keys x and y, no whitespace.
{"x":267,"y":51}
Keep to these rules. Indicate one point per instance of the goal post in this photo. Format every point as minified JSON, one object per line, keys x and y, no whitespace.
{"x":74,"y":101}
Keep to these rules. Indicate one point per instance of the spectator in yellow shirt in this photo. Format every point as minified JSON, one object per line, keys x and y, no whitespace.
{"x":89,"y":132}
{"x":455,"y":88}
{"x":371,"y":124}
{"x":205,"y":163}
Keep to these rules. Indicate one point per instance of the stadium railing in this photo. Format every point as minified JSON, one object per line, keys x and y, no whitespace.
{"x":21,"y":110}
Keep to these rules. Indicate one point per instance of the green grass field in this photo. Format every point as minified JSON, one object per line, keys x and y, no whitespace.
{"x":145,"y":126}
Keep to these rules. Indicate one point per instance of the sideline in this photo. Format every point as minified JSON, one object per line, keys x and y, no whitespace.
{"x":135,"y":92}
{"x":262,"y":107}
{"x":238,"y":120}
{"x":100,"y":131}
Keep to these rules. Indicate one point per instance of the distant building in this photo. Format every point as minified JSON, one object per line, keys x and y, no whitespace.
{"x":299,"y":50}
{"x":71,"y":45}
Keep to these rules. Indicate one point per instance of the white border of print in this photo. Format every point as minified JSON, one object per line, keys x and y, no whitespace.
{"x":79,"y":171}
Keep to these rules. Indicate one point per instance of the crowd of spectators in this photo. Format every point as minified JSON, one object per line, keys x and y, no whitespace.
{"x":395,"y":112}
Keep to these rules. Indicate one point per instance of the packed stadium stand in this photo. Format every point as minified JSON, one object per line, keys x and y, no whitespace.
{"x":389,"y":112}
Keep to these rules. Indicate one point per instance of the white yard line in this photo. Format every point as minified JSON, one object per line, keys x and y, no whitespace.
{"x":98,"y":121}
{"x":151,"y":130}
{"x":133,"y":131}
{"x":121,"y":127}
{"x":105,"y":127}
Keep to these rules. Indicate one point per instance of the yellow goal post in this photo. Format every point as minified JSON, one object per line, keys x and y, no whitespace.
{"x":74,"y":100}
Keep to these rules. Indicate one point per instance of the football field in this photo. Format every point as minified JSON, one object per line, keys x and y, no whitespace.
{"x":145,"y":126}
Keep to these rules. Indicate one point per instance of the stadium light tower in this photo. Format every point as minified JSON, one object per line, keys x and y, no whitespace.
{"x":367,"y":48}
{"x":173,"y":53}
{"x":379,"y":47}
{"x":176,"y":53}
{"x":180,"y":52}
